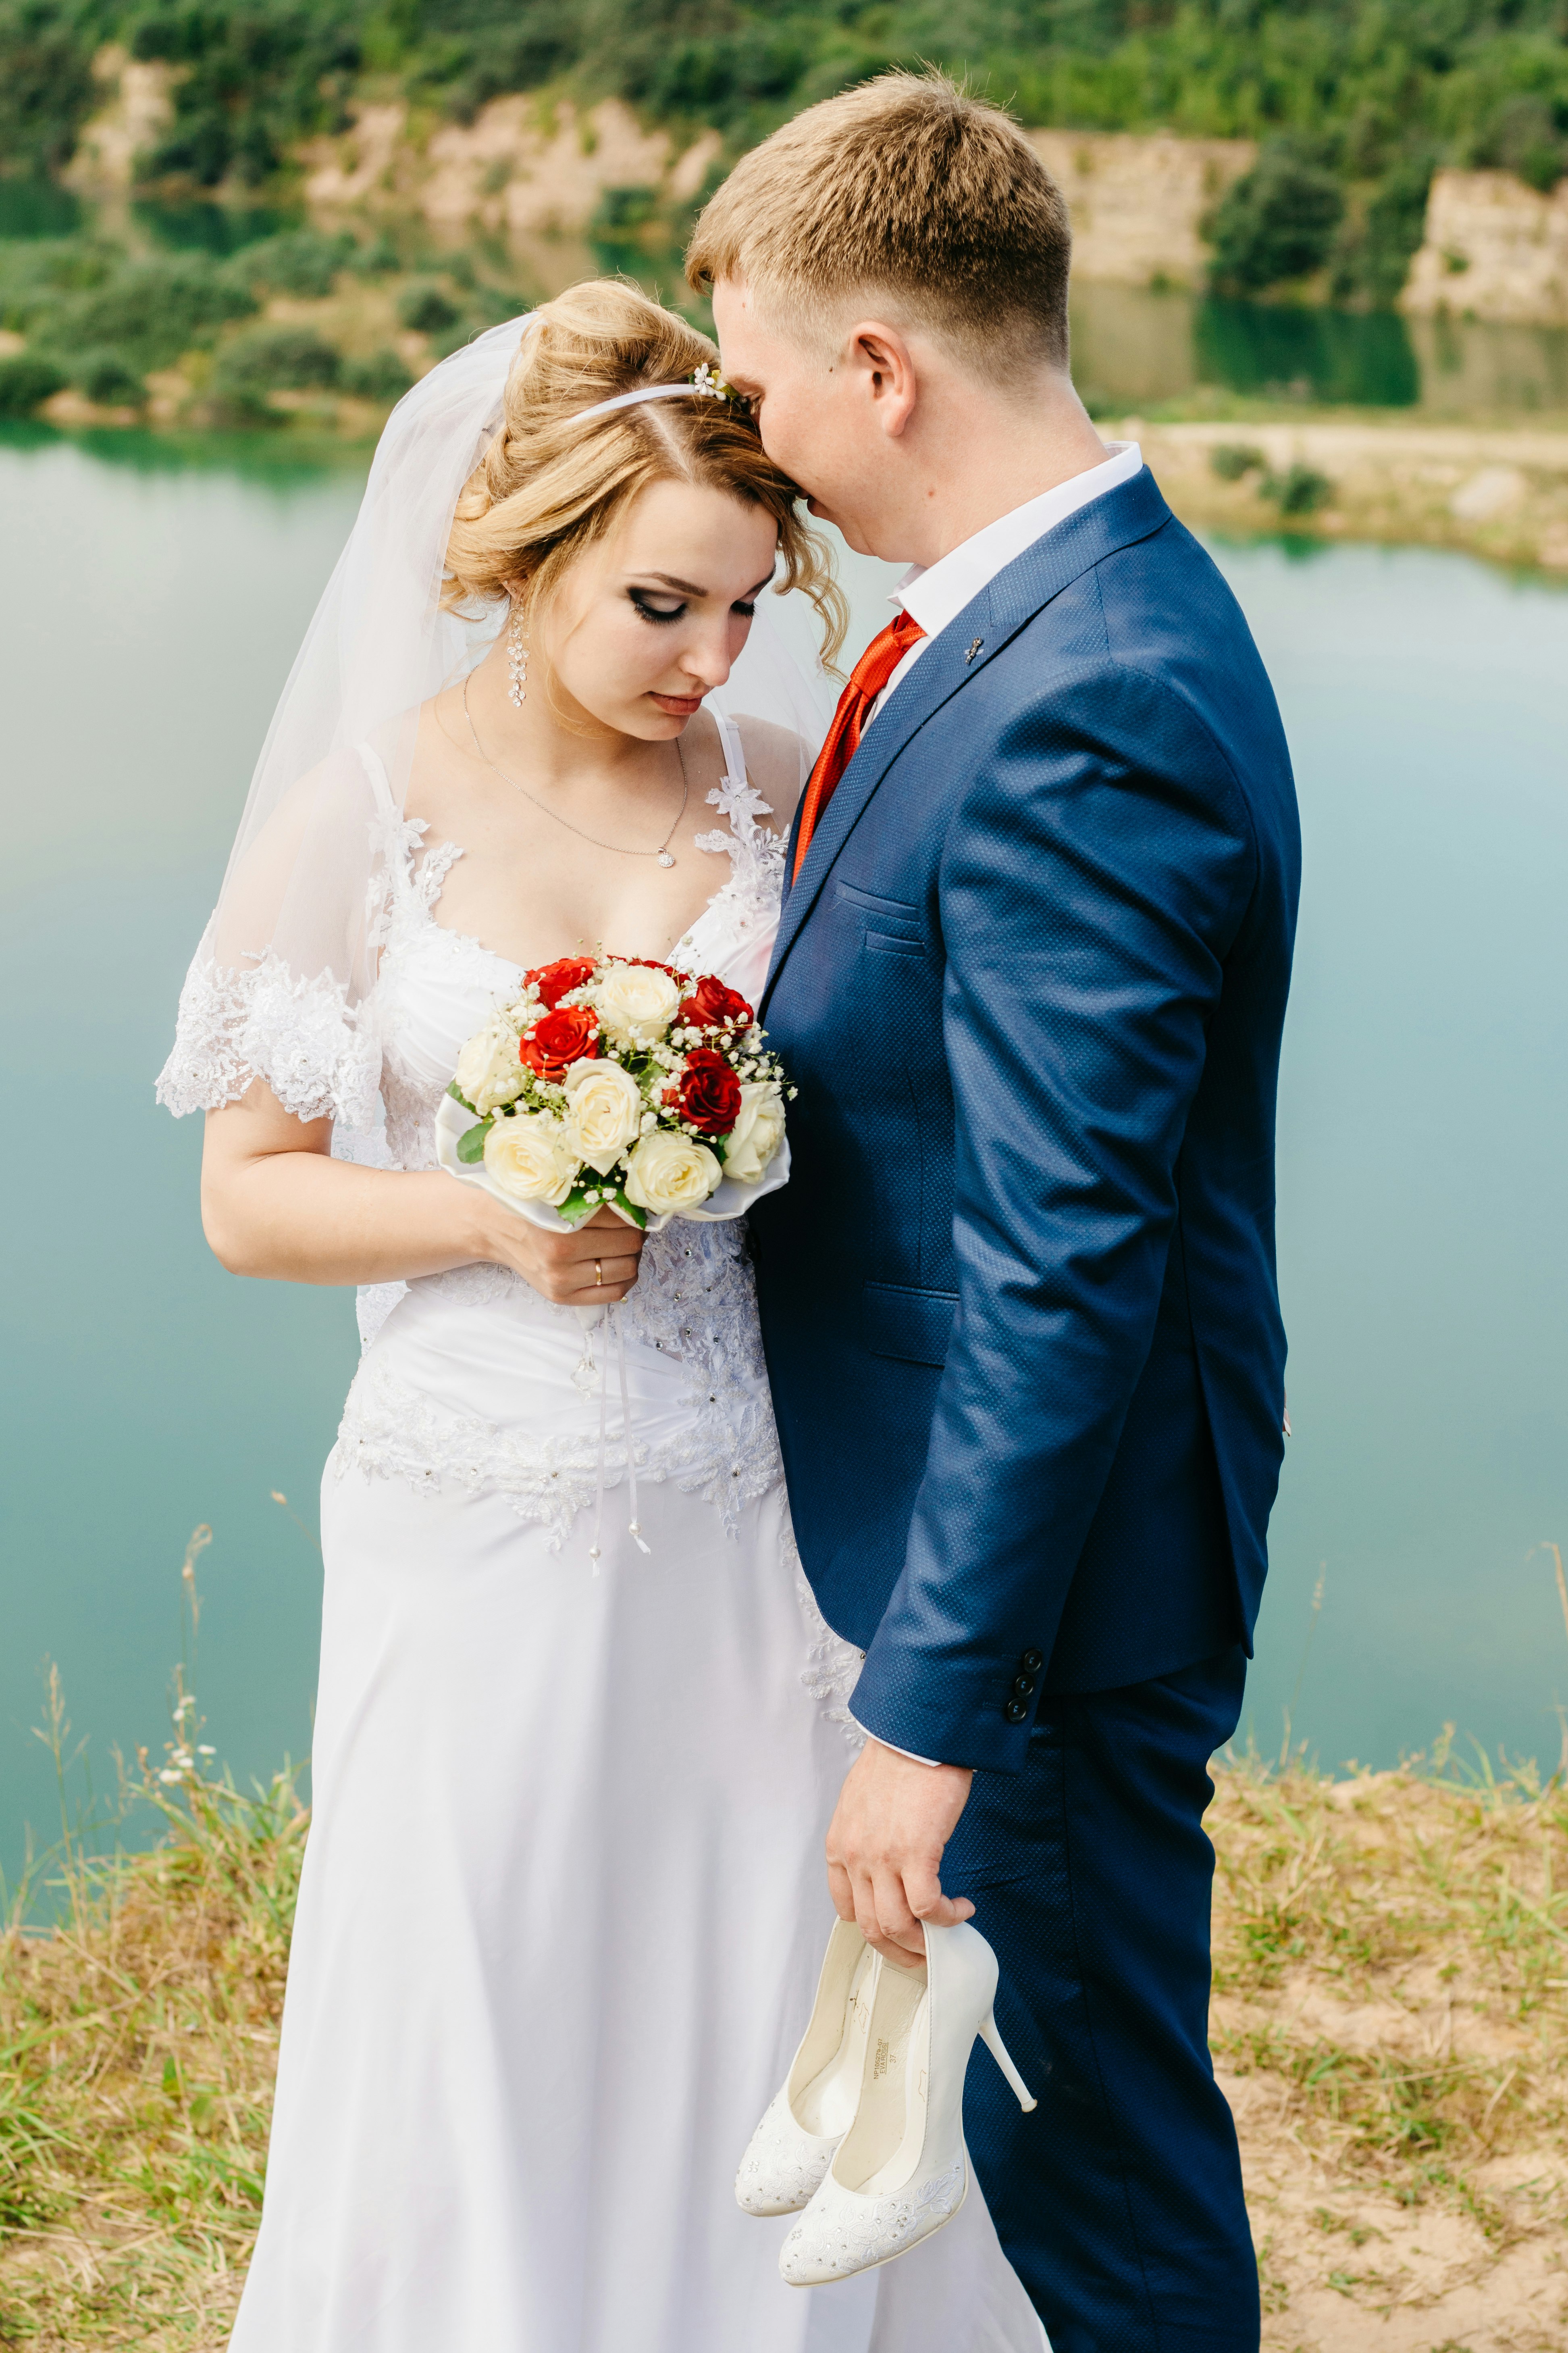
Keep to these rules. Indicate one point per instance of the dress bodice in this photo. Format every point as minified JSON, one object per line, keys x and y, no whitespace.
{"x":469,"y":1373}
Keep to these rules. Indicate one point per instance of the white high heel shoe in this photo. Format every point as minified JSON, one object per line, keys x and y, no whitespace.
{"x":902,"y":2171}
{"x":793,"y":2146}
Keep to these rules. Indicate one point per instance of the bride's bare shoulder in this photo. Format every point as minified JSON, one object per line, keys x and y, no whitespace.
{"x":778,"y":762}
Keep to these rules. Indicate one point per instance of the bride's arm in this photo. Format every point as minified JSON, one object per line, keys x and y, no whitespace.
{"x":275,"y":1203}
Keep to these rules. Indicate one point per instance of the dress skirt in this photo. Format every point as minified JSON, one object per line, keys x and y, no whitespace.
{"x":561,"y":1916}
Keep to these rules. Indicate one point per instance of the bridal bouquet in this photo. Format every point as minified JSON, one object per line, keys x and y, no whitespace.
{"x":619,"y":1082}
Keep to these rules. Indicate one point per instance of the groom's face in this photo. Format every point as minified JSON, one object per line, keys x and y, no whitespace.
{"x":811,"y":412}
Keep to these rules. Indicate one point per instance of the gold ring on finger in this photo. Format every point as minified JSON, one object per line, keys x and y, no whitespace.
{"x":598,"y":1271}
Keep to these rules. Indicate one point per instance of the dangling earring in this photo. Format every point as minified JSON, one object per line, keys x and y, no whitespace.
{"x":516,"y":661}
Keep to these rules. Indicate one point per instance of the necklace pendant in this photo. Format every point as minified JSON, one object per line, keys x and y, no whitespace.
{"x":665,"y":859}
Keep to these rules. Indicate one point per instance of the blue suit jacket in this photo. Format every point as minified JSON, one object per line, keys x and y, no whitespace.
{"x":1018,"y":1297}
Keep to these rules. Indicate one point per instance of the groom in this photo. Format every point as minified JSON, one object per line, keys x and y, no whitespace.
{"x":1019,"y":1296}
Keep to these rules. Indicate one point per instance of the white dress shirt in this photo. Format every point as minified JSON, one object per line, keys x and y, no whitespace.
{"x":935,"y":594}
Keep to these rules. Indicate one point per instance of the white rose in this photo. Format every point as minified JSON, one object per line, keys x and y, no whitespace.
{"x":668,"y":1173}
{"x":636,"y":1004}
{"x":530,"y":1157}
{"x":489,"y":1071}
{"x":604,"y":1111}
{"x":756,"y":1135}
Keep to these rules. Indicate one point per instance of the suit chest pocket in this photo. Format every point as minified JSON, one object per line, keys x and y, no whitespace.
{"x":888,"y":927}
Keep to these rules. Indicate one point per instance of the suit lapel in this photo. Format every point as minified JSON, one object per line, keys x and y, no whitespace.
{"x":958,"y":653}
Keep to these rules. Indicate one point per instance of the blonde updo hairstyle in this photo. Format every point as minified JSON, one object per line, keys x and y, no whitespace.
{"x":550,"y":487}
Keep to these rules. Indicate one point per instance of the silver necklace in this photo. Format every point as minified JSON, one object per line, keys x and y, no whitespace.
{"x":664,"y":854}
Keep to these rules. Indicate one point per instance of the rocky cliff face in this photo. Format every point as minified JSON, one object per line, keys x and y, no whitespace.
{"x":1137,"y":203}
{"x":1493,"y":249}
{"x":516,"y":166}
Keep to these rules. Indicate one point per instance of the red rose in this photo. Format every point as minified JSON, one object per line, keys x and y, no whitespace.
{"x":558,"y":1039}
{"x":709,"y":1093}
{"x":553,"y":980}
{"x":711,"y":1005}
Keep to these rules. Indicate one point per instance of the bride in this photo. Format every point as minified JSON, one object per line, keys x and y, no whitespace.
{"x":563,"y":1899}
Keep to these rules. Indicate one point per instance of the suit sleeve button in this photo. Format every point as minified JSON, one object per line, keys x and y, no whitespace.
{"x":1031,"y":1661}
{"x":1024,"y":1685}
{"x":1015,"y":1710}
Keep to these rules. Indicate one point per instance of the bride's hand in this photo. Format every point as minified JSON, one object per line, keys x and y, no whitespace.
{"x":276,"y":1204}
{"x":593,"y":1266}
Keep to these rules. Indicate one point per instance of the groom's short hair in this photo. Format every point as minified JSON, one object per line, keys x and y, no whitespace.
{"x":909,"y":190}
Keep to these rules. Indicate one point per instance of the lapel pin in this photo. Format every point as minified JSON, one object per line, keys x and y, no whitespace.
{"x":973,"y":650}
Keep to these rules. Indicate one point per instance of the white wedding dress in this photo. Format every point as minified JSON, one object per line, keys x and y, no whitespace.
{"x":563,"y":1904}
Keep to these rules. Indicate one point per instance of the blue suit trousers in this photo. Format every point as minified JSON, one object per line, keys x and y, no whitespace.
{"x":1119,"y":2200}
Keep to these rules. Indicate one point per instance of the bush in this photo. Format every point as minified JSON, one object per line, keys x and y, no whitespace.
{"x":1376,"y":262}
{"x":383,"y":376}
{"x":1231,"y":459}
{"x":426,"y":309}
{"x":45,"y":84}
{"x":108,"y":378}
{"x":272,"y":359}
{"x":300,"y":262}
{"x":1276,"y":223}
{"x":27,"y":379}
{"x":1527,"y":134}
{"x":153,"y":310}
{"x":377,"y":260}
{"x":1299,"y":490}
{"x":254,"y":78}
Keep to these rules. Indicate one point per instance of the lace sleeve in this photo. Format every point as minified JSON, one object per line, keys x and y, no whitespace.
{"x":281,"y":986}
{"x":263,"y":1021}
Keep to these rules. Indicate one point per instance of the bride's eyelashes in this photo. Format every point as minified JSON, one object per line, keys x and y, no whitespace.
{"x":649,"y":606}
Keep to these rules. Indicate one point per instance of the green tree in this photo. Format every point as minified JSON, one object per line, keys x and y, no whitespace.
{"x":1276,"y":223}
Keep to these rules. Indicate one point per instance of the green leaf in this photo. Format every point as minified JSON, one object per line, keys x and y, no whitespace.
{"x":639,"y":1217}
{"x":471,"y":1143}
{"x":574,"y":1208}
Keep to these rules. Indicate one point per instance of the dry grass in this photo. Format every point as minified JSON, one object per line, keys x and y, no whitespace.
{"x":137,"y":2047}
{"x":1390,"y":2021}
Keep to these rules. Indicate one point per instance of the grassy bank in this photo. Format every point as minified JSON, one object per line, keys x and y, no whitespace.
{"x":1390,"y":2024}
{"x":1499,"y":493}
{"x":316,"y":332}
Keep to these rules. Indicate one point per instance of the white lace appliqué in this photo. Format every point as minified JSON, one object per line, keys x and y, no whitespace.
{"x":264,"y":1021}
{"x":755,"y":887}
{"x":784,"y":2166}
{"x":694,"y":1303}
{"x":832,"y":1664}
{"x":842,"y":2232}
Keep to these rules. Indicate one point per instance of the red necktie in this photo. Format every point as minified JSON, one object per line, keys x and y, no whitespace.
{"x":866,"y":680}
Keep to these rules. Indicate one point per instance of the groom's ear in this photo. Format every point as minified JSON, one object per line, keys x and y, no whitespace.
{"x":879,"y":356}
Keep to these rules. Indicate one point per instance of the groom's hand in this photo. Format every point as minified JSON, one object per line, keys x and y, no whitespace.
{"x":885,"y":1843}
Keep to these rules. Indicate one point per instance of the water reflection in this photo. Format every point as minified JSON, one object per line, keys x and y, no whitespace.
{"x":1135,"y":348}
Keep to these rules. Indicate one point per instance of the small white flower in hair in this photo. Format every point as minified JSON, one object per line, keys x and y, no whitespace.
{"x":708,"y":379}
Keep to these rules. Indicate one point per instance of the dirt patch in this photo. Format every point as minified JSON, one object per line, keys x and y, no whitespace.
{"x":1389,"y":2025}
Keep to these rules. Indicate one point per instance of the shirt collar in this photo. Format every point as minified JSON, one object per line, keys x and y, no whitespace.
{"x":935,"y":594}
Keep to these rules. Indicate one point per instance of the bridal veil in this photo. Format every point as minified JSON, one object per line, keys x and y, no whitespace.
{"x":281,"y":983}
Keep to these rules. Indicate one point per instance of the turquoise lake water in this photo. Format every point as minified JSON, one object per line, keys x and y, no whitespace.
{"x":149,"y":612}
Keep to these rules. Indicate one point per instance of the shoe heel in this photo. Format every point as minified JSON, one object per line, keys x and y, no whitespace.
{"x":998,"y":2050}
